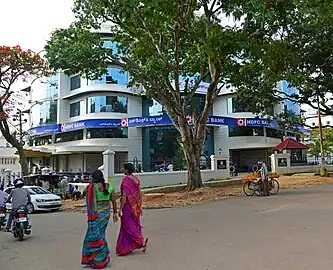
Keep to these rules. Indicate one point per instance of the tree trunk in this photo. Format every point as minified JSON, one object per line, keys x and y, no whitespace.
{"x":192,"y":153}
{"x":16,"y":144}
{"x":23,"y":161}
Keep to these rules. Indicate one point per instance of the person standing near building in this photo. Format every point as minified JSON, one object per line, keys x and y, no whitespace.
{"x":264,"y":178}
{"x":130,"y":235}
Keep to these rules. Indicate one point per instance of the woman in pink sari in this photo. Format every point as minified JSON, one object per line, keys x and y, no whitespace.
{"x":130,"y":235}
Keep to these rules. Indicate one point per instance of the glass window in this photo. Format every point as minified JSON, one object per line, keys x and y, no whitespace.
{"x":235,"y":105}
{"x":160,"y":147}
{"x":48,"y":112}
{"x":39,"y":141}
{"x":98,"y":133}
{"x":38,"y":190}
{"x":69,"y":136}
{"x":245,"y":131}
{"x":274,"y":133}
{"x":114,"y":76}
{"x":51,"y":87}
{"x":107,"y":104}
{"x":75,"y":83}
{"x":112,"y":45}
{"x":75,"y":108}
{"x":153,"y":108}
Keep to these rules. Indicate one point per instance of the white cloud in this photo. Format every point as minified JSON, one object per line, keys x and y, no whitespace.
{"x":29,"y":23}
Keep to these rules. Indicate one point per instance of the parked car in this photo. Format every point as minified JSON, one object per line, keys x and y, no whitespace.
{"x":41,"y":199}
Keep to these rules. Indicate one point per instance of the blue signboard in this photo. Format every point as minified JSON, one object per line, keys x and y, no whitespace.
{"x":90,"y":123}
{"x":44,"y":130}
{"x":149,"y":121}
{"x":162,"y":120}
{"x":240,"y":122}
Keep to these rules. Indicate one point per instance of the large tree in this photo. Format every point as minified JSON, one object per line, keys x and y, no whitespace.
{"x":16,"y":65}
{"x":161,"y":41}
{"x":305,"y":60}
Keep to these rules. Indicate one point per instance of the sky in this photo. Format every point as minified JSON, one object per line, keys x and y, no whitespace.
{"x":28,"y":23}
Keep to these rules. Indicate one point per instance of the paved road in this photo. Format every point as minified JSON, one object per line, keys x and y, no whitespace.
{"x":289,"y":231}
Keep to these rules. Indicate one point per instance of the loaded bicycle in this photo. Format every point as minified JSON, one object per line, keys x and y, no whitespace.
{"x":253,"y":184}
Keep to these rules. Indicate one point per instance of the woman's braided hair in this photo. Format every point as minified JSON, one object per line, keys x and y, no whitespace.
{"x":98,"y":177}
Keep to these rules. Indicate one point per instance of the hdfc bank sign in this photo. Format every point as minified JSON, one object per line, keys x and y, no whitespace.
{"x":124,"y":122}
{"x":241,"y":122}
{"x":71,"y":126}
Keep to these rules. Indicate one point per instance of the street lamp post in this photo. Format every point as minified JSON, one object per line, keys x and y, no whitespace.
{"x":321,"y":142}
{"x":21,"y":121}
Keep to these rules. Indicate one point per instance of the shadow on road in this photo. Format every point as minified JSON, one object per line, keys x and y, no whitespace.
{"x":324,"y":189}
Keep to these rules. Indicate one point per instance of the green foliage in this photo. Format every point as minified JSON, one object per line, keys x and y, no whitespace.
{"x":301,"y":55}
{"x":327,"y":142}
{"x":161,"y":40}
{"x":77,"y":51}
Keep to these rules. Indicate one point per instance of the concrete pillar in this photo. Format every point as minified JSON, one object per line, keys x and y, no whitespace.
{"x":212,"y":162}
{"x":216,"y":159}
{"x":108,"y":164}
{"x":273,"y":162}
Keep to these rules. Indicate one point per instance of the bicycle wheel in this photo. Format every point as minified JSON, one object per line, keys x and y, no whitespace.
{"x":274,"y":186}
{"x":248,"y":188}
{"x":259,"y":192}
{"x":255,"y":168}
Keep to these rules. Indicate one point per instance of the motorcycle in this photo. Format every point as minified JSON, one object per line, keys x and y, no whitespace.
{"x":20,"y":223}
{"x":2,"y":216}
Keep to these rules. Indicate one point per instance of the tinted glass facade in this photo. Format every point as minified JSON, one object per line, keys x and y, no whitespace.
{"x":245,"y":131}
{"x":161,"y":145}
{"x":48,"y":112}
{"x":75,"y":109}
{"x":39,"y":141}
{"x":100,"y":104}
{"x":51,"y":88}
{"x":274,"y":133}
{"x":114,"y":76}
{"x":75,"y":82}
{"x":98,"y":133}
{"x":236,"y":106}
{"x":69,"y":136}
{"x":153,"y":108}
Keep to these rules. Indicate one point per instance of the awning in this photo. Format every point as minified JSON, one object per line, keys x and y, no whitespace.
{"x":289,"y":143}
{"x":37,"y":154}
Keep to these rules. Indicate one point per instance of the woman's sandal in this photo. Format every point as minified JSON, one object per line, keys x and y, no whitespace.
{"x":145,"y":246}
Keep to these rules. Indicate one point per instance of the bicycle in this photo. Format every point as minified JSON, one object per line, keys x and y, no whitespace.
{"x":252,"y":187}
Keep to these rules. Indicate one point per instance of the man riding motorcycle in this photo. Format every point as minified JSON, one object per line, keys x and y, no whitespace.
{"x":18,"y":197}
{"x":2,"y":208}
{"x":2,"y":199}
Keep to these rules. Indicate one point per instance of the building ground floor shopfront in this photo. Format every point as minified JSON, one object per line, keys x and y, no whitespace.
{"x":150,"y":142}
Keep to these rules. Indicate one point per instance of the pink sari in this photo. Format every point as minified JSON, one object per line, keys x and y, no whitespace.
{"x":130,"y":235}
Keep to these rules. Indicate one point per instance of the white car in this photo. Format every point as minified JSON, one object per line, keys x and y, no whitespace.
{"x":41,"y":199}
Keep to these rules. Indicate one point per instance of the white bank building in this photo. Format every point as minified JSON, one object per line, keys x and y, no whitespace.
{"x":78,"y":119}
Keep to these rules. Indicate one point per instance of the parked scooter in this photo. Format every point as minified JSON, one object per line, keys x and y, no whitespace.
{"x":20,"y":223}
{"x":2,"y":216}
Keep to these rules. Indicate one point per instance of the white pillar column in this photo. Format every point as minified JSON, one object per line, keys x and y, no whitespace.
{"x":108,"y":163}
{"x":212,"y":163}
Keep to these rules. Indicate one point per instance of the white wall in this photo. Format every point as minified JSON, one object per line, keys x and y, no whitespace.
{"x":301,"y":169}
{"x":160,"y":179}
{"x":9,"y":162}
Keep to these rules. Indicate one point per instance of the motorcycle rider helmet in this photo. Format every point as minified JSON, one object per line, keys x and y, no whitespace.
{"x":19,"y":183}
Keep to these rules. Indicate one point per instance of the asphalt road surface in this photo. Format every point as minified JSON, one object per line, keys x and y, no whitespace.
{"x":292,"y":230}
